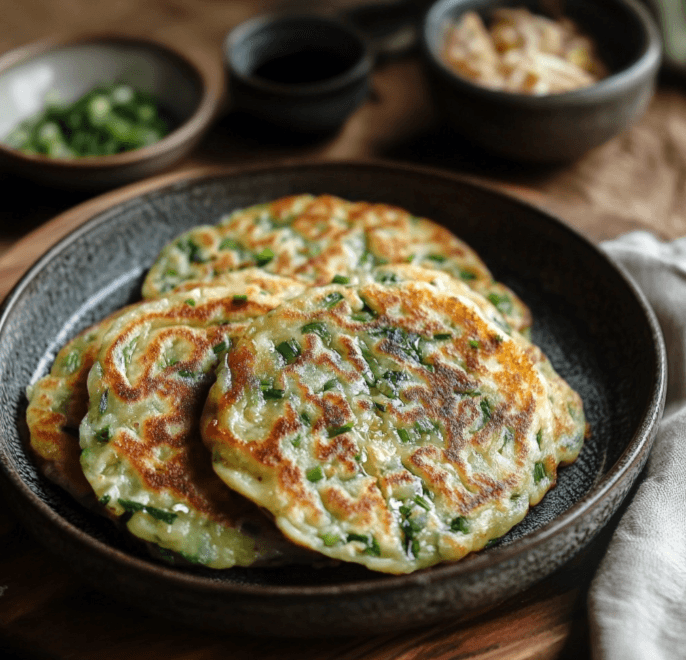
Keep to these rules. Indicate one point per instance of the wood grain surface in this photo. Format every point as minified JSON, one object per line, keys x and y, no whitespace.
{"x":636,"y":181}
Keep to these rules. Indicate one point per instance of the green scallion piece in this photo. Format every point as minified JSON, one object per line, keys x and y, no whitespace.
{"x":474,"y":343}
{"x":460,"y":524}
{"x":422,"y":502}
{"x":221,"y":346}
{"x":160,"y":514}
{"x":104,"y":434}
{"x":404,"y":435}
{"x":318,"y":328}
{"x":539,"y":437}
{"x":190,"y":302}
{"x":379,"y":406}
{"x":315,"y":474}
{"x":373,"y":548}
{"x":72,"y":362}
{"x":486,"y":410}
{"x":104,"y":500}
{"x":502,"y":302}
{"x":330,"y":384}
{"x":442,"y":336}
{"x":539,"y":472}
{"x":438,"y":258}
{"x":357,"y":537}
{"x":289,"y":350}
{"x":467,"y":275}
{"x":331,"y":299}
{"x":305,"y":419}
{"x":339,"y":430}
{"x":264,"y":256}
{"x":229,"y":244}
{"x":272,"y":393}
{"x":240,"y":298}
{"x":340,"y":279}
{"x":330,"y":539}
{"x":185,"y":373}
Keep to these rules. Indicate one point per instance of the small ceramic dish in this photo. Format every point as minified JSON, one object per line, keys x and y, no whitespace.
{"x":189,"y":92}
{"x":304,"y":73}
{"x":551,"y":127}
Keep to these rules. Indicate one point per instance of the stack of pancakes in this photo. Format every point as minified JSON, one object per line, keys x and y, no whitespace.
{"x":310,"y":379}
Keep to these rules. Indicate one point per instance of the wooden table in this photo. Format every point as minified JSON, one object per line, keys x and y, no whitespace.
{"x":637,"y":181}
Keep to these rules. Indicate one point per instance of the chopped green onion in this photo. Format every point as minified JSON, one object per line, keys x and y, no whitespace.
{"x":315,"y":474}
{"x":373,"y":548}
{"x":305,"y":419}
{"x":379,"y":406}
{"x":289,"y":350}
{"x":357,"y":537}
{"x":218,"y":348}
{"x":104,"y":434}
{"x":104,"y":500}
{"x":423,"y":502}
{"x":539,"y":437}
{"x":296,"y":441}
{"x":503,"y":303}
{"x":404,"y":435}
{"x":272,"y":393}
{"x":330,"y":539}
{"x":133,"y":507}
{"x":185,"y":373}
{"x":485,"y":406}
{"x":441,"y":336}
{"x":229,"y":244}
{"x":190,"y":302}
{"x":72,"y":362}
{"x":474,"y":343}
{"x":264,"y":256}
{"x":539,"y":472}
{"x":318,"y":328}
{"x":438,"y":258}
{"x":330,"y":384}
{"x":165,"y":516}
{"x":460,"y":524}
{"x":466,"y":275}
{"x":340,"y":279}
{"x":240,"y":297}
{"x":330,"y":299}
{"x":102,"y":406}
{"x":339,"y":430}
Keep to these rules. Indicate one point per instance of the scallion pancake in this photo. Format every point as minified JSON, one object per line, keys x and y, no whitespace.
{"x":315,"y":239}
{"x":391,"y":423}
{"x":141,"y":449}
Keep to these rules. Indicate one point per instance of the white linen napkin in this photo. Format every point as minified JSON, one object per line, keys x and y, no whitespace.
{"x":637,"y":600}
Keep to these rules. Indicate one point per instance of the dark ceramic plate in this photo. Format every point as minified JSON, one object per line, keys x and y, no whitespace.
{"x":590,"y":320}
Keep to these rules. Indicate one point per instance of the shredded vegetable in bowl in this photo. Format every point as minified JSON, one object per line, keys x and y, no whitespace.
{"x":522,"y":53}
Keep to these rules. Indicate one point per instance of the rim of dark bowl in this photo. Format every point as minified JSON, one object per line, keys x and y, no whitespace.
{"x":360,"y":69}
{"x":210,"y":82}
{"x":634,"y":455}
{"x":644,"y":66}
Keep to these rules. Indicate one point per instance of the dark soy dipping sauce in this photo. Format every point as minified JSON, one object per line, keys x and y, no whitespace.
{"x":303,"y":67}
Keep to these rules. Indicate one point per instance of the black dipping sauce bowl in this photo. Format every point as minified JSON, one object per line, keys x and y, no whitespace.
{"x":298,"y":72}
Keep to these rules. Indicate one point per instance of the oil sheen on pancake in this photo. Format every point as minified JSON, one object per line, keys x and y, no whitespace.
{"x":392,"y":424}
{"x":142,"y":452}
{"x":316,"y":239}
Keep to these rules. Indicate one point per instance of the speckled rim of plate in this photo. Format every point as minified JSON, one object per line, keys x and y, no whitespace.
{"x":415,"y":599}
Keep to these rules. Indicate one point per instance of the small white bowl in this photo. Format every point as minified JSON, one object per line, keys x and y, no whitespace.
{"x":189,"y":91}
